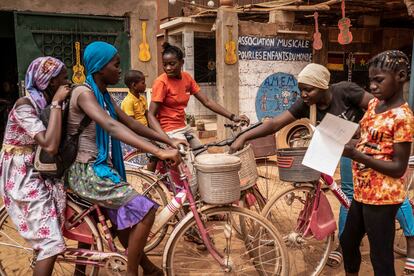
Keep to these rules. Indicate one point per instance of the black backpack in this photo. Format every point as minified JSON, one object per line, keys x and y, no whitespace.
{"x":56,"y":165}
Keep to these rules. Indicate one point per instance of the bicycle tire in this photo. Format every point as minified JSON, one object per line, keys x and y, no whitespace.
{"x":9,"y":267}
{"x":400,"y":243}
{"x":268,"y":181}
{"x":309,"y":254}
{"x":142,"y":181}
{"x":247,"y":257}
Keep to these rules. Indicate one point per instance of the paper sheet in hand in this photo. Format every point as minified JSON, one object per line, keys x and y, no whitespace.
{"x":327,"y":144}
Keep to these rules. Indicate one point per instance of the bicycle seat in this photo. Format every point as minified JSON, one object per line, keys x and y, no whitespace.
{"x":70,"y":195}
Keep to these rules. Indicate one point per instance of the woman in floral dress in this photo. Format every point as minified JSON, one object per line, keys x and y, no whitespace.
{"x":35,"y":205}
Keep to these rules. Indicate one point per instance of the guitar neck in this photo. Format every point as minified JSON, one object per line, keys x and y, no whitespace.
{"x":343,"y":8}
{"x":315,"y":16}
{"x":144,"y":30}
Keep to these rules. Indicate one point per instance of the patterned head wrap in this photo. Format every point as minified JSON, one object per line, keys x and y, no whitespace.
{"x":38,"y":76}
{"x":316,"y":75}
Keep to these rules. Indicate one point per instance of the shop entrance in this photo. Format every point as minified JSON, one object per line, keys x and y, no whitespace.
{"x":9,"y":91}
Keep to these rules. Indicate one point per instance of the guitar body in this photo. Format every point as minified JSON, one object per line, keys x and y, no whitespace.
{"x":144,"y":50}
{"x":317,"y":41}
{"x":78,"y":74}
{"x":144,"y":53}
{"x":230,"y":57}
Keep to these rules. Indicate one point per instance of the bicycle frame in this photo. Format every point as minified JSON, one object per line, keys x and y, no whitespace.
{"x":190,"y":199}
{"x":75,"y":230}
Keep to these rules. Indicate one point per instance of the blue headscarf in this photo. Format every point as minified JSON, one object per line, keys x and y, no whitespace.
{"x":96,"y":56}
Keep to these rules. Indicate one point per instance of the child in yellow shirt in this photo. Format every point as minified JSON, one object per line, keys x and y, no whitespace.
{"x":135,"y":103}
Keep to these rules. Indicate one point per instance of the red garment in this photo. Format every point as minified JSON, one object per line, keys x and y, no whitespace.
{"x":173,"y":94}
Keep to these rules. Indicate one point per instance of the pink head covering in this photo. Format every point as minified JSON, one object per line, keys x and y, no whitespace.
{"x":38,"y":76}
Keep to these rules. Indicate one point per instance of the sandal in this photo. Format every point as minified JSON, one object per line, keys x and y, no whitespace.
{"x":334,"y":259}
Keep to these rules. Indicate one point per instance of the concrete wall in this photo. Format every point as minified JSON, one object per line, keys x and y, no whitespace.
{"x":196,"y":108}
{"x":253,"y":73}
{"x":101,"y":7}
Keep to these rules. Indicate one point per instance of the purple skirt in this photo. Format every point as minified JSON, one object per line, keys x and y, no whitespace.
{"x":131,"y":213}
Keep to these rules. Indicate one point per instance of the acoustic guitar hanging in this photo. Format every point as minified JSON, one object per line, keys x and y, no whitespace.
{"x":231,"y":57}
{"x":144,"y":50}
{"x":345,"y":35}
{"x":78,"y":69}
{"x":317,"y":41}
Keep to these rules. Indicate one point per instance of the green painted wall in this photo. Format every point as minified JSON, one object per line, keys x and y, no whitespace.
{"x":54,"y":34}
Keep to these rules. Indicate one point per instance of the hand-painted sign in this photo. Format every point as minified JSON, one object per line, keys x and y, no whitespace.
{"x":276,"y":94}
{"x":274,"y":49}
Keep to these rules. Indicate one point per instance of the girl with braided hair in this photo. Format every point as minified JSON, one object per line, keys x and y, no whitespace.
{"x":380,"y":159}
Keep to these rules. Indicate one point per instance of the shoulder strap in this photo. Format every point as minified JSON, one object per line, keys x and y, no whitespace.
{"x":83,"y":124}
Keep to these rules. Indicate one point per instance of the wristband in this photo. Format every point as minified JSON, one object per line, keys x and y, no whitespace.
{"x":55,"y":104}
{"x":232,"y":116}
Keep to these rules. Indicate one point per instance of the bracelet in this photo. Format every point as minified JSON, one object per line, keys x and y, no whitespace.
{"x":232,"y":116}
{"x":55,"y":105}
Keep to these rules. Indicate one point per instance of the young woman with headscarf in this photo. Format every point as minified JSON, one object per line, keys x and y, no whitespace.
{"x":100,"y":177}
{"x":35,"y":204}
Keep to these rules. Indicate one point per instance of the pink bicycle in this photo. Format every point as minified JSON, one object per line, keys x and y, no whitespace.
{"x":255,"y":249}
{"x":303,"y":215}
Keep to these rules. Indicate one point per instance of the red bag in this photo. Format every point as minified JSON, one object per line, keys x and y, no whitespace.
{"x":320,"y":222}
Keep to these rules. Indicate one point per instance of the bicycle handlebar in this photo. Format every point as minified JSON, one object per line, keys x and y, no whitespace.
{"x":225,"y":142}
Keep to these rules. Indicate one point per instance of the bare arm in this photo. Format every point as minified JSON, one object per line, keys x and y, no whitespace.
{"x":212,"y":105}
{"x":140,"y":129}
{"x":394,"y":168}
{"x":268,"y":127}
{"x":49,"y":140}
{"x":90,"y":106}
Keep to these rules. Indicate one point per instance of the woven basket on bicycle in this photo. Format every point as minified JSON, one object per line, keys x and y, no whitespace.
{"x":248,"y":172}
{"x":218,"y":178}
{"x":289,"y":163}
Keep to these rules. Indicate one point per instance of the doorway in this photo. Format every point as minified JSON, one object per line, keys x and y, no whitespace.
{"x":9,"y":91}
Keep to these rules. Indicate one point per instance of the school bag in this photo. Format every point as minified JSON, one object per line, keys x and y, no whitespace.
{"x":56,"y":165}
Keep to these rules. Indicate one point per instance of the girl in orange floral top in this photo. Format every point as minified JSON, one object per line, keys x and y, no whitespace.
{"x":380,"y":161}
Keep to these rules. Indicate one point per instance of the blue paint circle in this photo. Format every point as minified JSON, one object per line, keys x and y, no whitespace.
{"x":276,"y":94}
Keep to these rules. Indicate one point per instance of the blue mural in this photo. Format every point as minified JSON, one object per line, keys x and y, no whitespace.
{"x":276,"y":94}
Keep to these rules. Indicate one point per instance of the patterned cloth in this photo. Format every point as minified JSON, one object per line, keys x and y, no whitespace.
{"x":379,"y":132}
{"x":125,"y":206}
{"x":135,"y":107}
{"x":35,"y":205}
{"x":38,"y":76}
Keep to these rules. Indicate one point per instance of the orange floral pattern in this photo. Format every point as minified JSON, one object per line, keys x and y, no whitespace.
{"x":379,"y":132}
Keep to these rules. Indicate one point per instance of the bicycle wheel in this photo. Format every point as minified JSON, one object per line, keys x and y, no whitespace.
{"x":136,"y":157}
{"x":149,"y":186}
{"x":268,"y":181}
{"x":16,"y":255}
{"x":260,"y":252}
{"x":283,"y":210}
{"x":400,"y":243}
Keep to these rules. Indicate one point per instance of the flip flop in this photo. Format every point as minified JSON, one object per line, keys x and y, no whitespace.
{"x":334,"y":259}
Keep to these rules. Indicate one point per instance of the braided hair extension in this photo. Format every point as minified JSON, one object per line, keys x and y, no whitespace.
{"x":391,"y":60}
{"x":170,"y":49}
